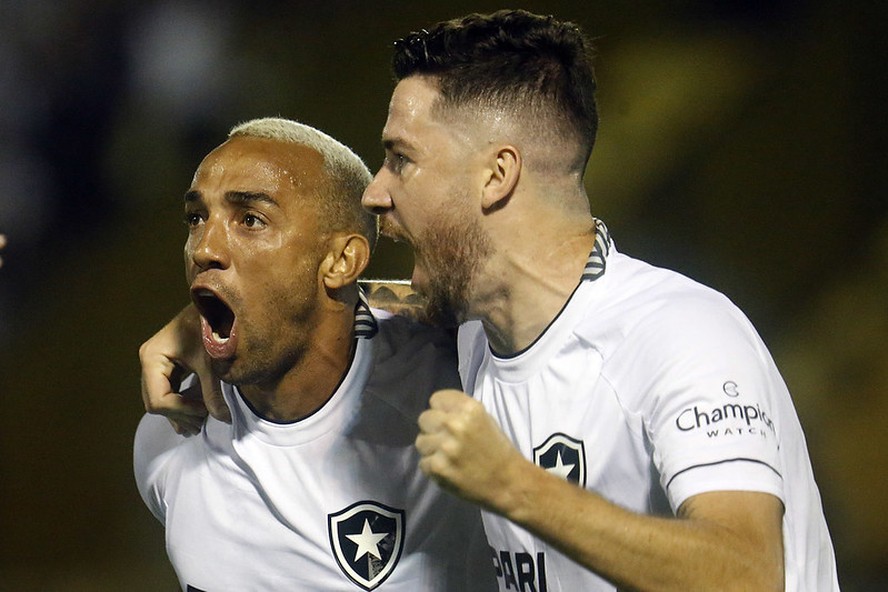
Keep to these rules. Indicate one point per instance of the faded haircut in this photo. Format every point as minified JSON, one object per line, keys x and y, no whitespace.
{"x":535,"y":69}
{"x":339,"y":199}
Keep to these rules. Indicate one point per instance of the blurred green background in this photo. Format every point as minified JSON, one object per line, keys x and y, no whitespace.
{"x":742,"y":143}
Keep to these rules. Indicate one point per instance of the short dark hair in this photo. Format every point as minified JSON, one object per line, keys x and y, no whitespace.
{"x":534,"y":66}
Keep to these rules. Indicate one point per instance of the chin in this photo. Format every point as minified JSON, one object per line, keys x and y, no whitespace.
{"x":440,"y":311}
{"x":224,"y":369}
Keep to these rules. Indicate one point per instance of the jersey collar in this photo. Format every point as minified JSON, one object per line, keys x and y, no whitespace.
{"x":365,"y":323}
{"x":597,"y":261}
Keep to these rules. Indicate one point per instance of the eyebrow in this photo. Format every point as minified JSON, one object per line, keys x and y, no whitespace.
{"x":236,"y":197}
{"x":248,"y":197}
{"x":396,"y":142}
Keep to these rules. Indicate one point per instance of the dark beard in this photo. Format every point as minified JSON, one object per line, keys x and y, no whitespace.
{"x":453,"y":252}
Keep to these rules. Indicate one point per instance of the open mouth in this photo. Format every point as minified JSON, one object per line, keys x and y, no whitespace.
{"x":216,"y":313}
{"x":391,"y":231}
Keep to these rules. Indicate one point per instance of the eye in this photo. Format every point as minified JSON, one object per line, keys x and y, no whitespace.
{"x":192,"y":219}
{"x":396,"y":161}
{"x":253,"y":221}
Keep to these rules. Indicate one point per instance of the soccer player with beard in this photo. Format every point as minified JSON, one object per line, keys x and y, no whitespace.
{"x":314,"y":484}
{"x":625,"y":427}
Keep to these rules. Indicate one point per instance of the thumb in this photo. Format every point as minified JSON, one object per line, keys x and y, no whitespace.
{"x":211,"y":389}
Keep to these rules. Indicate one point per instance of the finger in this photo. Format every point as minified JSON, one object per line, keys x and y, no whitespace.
{"x":185,"y":426}
{"x":155,"y":381}
{"x":211,"y":390}
{"x":162,"y":401}
{"x":187,"y":419}
{"x":427,"y":444}
{"x":431,"y":420}
{"x":437,"y":469}
{"x":430,"y":466}
{"x":424,"y":466}
{"x":448,"y":400}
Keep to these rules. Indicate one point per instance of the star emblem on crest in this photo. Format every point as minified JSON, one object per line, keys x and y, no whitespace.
{"x":562,"y":456}
{"x":367,"y":539}
{"x":560,"y":469}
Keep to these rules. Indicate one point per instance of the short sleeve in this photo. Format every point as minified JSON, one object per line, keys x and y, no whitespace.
{"x":154,"y":445}
{"x":705,"y":387}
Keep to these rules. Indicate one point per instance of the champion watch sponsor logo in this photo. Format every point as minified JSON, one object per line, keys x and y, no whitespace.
{"x":367,"y":539}
{"x":563,"y":456}
{"x":732,"y":418}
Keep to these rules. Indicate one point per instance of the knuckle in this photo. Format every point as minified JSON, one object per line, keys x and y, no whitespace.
{"x":474,"y":408}
{"x":437,"y":466}
{"x":451,"y":448}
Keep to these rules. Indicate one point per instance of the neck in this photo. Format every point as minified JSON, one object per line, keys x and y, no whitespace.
{"x":534,"y":280}
{"x":310,"y":382}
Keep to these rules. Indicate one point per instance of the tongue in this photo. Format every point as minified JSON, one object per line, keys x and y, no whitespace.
{"x":219,"y":347}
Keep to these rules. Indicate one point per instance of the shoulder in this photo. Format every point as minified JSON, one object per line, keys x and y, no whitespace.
{"x":155,"y":445}
{"x":411,"y":360}
{"x":154,"y":440}
{"x":659,"y":331}
{"x":404,"y":338}
{"x":643,"y":305}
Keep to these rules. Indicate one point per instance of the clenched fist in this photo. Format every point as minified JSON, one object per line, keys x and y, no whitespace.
{"x":464,"y":450}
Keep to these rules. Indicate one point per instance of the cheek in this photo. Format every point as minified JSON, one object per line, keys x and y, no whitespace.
{"x":290,"y":277}
{"x":415,"y":203}
{"x":187,"y":256}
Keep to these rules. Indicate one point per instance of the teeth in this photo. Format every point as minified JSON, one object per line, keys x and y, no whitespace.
{"x":219,"y":339}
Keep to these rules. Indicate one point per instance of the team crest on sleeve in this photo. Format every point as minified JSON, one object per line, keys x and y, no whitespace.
{"x":563,"y":456}
{"x":367,"y":539}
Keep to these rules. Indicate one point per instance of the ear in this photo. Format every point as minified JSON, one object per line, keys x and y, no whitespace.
{"x":502,"y":178}
{"x":347,"y":257}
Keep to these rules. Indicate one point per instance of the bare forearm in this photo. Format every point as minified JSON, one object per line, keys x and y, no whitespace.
{"x":720,"y":541}
{"x":640,"y":552}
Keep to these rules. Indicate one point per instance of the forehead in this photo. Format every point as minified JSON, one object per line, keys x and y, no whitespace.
{"x":416,"y":120}
{"x":260,"y":165}
{"x":411,"y":107}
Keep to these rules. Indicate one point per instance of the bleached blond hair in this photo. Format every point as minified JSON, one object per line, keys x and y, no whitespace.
{"x":339,"y":201}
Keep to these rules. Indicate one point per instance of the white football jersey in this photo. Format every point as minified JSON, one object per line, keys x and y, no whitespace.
{"x":648,"y":388}
{"x":335,"y":501}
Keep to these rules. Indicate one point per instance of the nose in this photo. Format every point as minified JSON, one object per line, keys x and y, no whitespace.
{"x":376,"y":198}
{"x":209,"y":245}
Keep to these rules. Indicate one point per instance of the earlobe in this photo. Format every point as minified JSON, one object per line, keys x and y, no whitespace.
{"x":503,"y":177}
{"x":347,"y":257}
